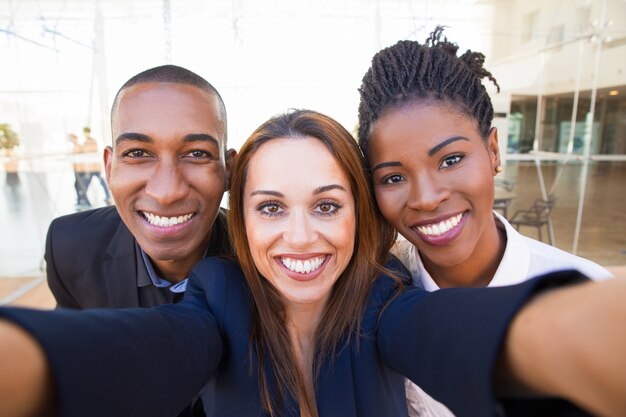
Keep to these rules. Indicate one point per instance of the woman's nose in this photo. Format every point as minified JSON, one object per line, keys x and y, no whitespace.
{"x":300,"y":229}
{"x":427,"y":193}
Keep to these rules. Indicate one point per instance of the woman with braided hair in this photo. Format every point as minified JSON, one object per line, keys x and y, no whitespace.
{"x":425,"y":129}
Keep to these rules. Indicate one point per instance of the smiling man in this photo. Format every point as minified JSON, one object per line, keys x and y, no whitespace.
{"x":167,"y":170}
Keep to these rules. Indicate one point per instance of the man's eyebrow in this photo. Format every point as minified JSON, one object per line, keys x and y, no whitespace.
{"x":140,"y":137}
{"x":132,"y":136}
{"x":445,"y":143}
{"x":200,"y":137}
{"x":386,"y":164}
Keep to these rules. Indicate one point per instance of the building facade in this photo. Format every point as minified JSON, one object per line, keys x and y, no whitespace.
{"x":561,"y":63}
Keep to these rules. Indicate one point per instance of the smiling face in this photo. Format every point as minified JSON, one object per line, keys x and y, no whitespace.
{"x":433,"y":179}
{"x":300,"y":218}
{"x":167,"y":171}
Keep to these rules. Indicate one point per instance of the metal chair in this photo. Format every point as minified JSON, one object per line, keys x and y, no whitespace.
{"x":538,"y":215}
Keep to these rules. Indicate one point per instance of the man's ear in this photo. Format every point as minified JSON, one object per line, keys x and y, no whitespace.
{"x":108,"y":160}
{"x":494,"y":150}
{"x":231,"y":155}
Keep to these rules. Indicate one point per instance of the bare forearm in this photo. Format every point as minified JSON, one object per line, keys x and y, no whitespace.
{"x":572,"y":343}
{"x":25,"y":386}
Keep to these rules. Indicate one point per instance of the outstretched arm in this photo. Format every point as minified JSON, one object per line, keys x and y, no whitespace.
{"x":557,"y":336}
{"x":98,"y":358}
{"x":26,"y":386}
{"x":90,"y":362}
{"x":571,"y":343}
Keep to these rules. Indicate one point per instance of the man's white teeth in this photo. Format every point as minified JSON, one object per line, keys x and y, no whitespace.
{"x":303,"y":267}
{"x":165,"y":221}
{"x":441,"y":227}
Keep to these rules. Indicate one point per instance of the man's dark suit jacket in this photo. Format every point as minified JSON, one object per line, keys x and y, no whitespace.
{"x":91,"y":260}
{"x":446,"y":341}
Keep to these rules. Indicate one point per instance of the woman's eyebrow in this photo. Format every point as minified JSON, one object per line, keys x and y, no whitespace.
{"x":266,"y":192}
{"x":386,"y":164}
{"x":445,"y":143}
{"x":318,"y":190}
{"x":325,"y":188}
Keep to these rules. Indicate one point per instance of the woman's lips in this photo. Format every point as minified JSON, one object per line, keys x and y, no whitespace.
{"x":442,"y":232}
{"x":303,"y":268}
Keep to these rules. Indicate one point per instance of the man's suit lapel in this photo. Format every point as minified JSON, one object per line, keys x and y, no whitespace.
{"x":120,"y":269}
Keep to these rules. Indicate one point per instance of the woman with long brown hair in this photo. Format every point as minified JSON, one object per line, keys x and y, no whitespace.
{"x":340,"y":315}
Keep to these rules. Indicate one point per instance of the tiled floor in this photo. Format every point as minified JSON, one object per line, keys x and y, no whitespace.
{"x":32,"y":199}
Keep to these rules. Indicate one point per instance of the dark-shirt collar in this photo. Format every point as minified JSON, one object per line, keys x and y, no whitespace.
{"x":148,"y":275}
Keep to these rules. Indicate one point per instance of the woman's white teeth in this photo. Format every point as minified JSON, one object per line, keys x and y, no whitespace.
{"x":165,"y":221}
{"x":441,"y":227}
{"x":303,"y":267}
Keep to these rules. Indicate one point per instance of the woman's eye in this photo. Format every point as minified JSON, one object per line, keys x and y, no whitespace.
{"x":393,"y":179}
{"x":270,"y":209}
{"x":327,"y":208}
{"x":451,"y":160}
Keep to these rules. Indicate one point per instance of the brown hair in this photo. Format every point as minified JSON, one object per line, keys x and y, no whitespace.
{"x":342,"y":316}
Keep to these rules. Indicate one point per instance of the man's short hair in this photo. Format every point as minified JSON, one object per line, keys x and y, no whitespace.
{"x":176,"y":74}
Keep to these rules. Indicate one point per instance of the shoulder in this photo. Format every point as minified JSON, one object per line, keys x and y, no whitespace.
{"x":100,"y":217}
{"x":394,"y":275}
{"x":89,"y":233}
{"x":525,"y":258}
{"x":387,"y":285}
{"x":216,"y":270}
{"x":545,"y":258}
{"x":220,"y":283}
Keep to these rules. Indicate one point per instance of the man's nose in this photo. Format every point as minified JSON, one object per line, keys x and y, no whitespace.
{"x":167,"y":184}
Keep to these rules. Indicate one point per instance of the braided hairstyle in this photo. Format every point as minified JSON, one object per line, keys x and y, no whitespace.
{"x":409,"y":72}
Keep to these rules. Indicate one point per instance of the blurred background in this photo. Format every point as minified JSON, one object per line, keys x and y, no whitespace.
{"x":561,"y":113}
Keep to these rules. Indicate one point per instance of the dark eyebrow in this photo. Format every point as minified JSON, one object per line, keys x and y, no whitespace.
{"x":200,"y":137}
{"x":318,"y":190}
{"x":386,"y":164}
{"x":431,"y":152}
{"x":324,"y":188}
{"x":131,"y":136}
{"x":267,"y":192}
{"x":140,"y":137}
{"x":445,"y":143}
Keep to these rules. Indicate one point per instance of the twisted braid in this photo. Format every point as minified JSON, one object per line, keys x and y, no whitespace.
{"x":410,"y":71}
